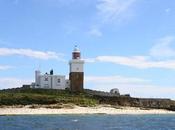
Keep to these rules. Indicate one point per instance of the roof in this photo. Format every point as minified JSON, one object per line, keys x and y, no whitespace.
{"x":76,"y":49}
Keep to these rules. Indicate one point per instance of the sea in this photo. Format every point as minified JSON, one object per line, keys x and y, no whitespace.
{"x":88,"y":122}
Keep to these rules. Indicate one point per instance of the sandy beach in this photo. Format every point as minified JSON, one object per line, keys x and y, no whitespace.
{"x":81,"y":110}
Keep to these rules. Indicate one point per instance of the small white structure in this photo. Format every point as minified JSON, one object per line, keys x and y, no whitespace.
{"x":115,"y":91}
{"x":50,"y":81}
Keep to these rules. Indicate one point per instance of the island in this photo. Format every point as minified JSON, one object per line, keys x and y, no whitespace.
{"x":26,"y":100}
{"x":54,"y":94}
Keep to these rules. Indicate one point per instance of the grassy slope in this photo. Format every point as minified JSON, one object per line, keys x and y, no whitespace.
{"x":29,"y":96}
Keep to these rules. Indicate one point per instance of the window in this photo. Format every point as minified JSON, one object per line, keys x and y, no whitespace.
{"x":58,"y":80}
{"x":46,"y":79}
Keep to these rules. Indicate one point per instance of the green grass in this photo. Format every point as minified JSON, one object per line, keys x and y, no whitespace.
{"x":29,"y":96}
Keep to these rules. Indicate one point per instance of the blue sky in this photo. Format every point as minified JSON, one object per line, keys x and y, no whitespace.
{"x":127,"y":44}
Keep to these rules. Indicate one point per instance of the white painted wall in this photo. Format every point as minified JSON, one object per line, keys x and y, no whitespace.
{"x":47,"y":81}
{"x":67,"y":83}
{"x":76,"y":66}
{"x":37,"y":74}
{"x":58,"y":82}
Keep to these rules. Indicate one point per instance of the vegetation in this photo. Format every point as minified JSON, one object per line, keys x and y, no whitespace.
{"x":28,"y":96}
{"x":50,"y":98}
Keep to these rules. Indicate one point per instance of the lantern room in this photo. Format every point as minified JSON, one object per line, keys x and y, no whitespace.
{"x":76,"y":53}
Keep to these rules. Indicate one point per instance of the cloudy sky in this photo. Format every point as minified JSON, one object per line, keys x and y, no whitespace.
{"x":127,"y":44}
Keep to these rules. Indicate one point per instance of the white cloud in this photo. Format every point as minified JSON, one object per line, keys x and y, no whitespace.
{"x":150,"y":91}
{"x":30,"y":53}
{"x":13,"y":82}
{"x":163,"y":47}
{"x":161,"y":55}
{"x":114,"y":10}
{"x":139,"y":62}
{"x":128,"y":85}
{"x":5,"y":67}
{"x":95,"y":32}
{"x":106,"y":83}
{"x":89,"y":60}
{"x":114,"y":79}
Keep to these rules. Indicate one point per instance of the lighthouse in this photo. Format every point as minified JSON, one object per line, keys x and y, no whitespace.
{"x":76,"y":75}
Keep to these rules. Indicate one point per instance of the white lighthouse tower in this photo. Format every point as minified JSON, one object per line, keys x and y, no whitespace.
{"x":76,"y":75}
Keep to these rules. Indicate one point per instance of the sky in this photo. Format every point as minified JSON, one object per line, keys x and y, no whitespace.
{"x":126,"y":44}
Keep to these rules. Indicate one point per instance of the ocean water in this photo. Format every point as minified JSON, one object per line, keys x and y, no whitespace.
{"x":88,"y":122}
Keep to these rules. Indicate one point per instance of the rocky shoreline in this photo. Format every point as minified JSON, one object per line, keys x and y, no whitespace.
{"x":128,"y":101}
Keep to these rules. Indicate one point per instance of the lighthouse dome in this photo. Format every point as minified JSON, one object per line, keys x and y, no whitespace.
{"x":76,"y":49}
